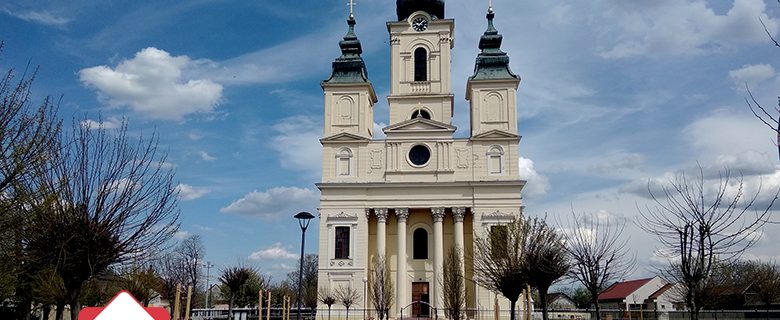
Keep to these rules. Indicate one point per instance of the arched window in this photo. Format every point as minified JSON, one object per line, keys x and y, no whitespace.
{"x":420,"y":244}
{"x":421,"y":113}
{"x":420,"y":64}
{"x":495,"y":160}
{"x":343,"y":162}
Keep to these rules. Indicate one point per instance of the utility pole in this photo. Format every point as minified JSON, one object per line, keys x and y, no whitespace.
{"x":208,"y":288}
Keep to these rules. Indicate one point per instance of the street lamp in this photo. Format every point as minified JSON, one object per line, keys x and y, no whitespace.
{"x":303,"y":221}
{"x":365,"y":299}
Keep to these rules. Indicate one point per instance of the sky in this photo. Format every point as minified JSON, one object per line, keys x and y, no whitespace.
{"x":615,"y":95}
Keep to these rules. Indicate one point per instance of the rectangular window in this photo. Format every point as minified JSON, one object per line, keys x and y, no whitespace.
{"x":494,"y":164}
{"x":343,"y":166}
{"x":342,"y":243}
{"x":499,"y":241}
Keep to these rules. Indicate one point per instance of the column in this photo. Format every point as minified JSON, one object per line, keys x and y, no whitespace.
{"x":381,"y":235}
{"x":401,"y":277}
{"x":438,"y":255}
{"x":458,"y":214}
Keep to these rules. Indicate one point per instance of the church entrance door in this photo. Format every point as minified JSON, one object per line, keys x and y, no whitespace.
{"x":420,"y":300}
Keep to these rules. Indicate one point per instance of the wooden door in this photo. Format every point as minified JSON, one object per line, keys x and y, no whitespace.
{"x":420,"y":300}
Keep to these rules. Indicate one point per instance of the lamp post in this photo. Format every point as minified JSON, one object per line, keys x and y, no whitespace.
{"x":303,"y":221}
{"x":208,"y":276}
{"x":365,"y":299}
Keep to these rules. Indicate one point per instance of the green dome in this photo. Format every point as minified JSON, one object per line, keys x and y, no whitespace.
{"x":405,"y":8}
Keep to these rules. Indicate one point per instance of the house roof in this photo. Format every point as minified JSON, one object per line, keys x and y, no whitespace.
{"x":551,"y":297}
{"x":661,"y":291}
{"x":621,"y":290}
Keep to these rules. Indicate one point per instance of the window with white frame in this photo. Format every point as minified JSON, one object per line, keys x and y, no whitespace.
{"x":344,"y":162}
{"x":495,"y":159}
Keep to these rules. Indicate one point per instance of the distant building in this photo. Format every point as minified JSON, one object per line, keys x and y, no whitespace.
{"x":630,"y":295}
{"x":667,"y":298}
{"x":560,"y":301}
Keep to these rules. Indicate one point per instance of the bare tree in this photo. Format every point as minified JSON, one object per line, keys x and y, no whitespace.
{"x":328,"y":297}
{"x":764,"y":116}
{"x":699,"y":225}
{"x":347,"y":296}
{"x":546,"y":259}
{"x":380,"y":287}
{"x":103,"y":200}
{"x":453,"y":285}
{"x":770,"y":121}
{"x":310,"y":268}
{"x":27,"y":135}
{"x":598,"y":253}
{"x":499,"y":258}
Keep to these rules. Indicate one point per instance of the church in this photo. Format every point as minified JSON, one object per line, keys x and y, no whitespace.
{"x":412,"y":196}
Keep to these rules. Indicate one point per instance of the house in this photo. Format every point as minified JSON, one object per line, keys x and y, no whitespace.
{"x":406,"y":196}
{"x":629,"y":295}
{"x":667,"y":298}
{"x":560,"y":301}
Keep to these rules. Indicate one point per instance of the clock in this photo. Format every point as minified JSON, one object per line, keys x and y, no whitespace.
{"x":420,"y":24}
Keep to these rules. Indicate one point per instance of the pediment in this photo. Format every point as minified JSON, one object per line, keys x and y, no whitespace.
{"x":419,"y":124}
{"x":342,"y":217}
{"x":343,"y":136}
{"x":496,"y":134}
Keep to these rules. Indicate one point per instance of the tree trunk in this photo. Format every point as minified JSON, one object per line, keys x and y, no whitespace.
{"x":543,"y":301}
{"x":46,"y":311}
{"x":348,"y":313}
{"x":328,"y":312}
{"x":598,"y":309}
{"x":73,"y":300}
{"x":59,"y":312}
{"x":512,"y":305}
{"x":230,"y":307}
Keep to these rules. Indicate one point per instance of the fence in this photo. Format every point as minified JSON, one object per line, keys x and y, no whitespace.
{"x":489,"y":314}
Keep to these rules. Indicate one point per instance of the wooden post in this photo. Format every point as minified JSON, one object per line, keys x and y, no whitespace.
{"x":176,"y":312}
{"x":496,"y":309}
{"x":285,"y":308}
{"x":268,"y":310}
{"x":260,"y":305}
{"x":189,"y":300}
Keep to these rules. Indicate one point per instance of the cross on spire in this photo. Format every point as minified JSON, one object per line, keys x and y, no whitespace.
{"x":351,"y":5}
{"x":490,"y":6}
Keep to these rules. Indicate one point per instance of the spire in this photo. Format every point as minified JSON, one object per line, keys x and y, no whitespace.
{"x":492,"y":63}
{"x":349,"y":67}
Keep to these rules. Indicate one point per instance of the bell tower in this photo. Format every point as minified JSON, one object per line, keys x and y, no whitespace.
{"x":420,"y":62}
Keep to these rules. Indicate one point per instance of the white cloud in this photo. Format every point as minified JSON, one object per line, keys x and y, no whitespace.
{"x":681,"y":27}
{"x":276,"y":251}
{"x":112,"y":123}
{"x":297,"y":142}
{"x":188,"y":192}
{"x":275,"y":202}
{"x":206,"y":156}
{"x":40,"y":17}
{"x":618,"y":164}
{"x":152,"y":84}
{"x":724,"y":133}
{"x":378,"y":133}
{"x":752,"y":75}
{"x":181,"y":235}
{"x":537,"y":184}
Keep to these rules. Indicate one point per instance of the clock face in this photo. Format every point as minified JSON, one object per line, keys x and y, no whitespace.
{"x":420,"y":24}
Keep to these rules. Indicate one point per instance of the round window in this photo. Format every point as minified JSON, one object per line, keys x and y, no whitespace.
{"x":419,"y":155}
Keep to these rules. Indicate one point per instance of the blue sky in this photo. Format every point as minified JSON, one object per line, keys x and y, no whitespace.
{"x":614,"y":94}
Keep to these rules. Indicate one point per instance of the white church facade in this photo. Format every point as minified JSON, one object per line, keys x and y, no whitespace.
{"x":418,"y":192}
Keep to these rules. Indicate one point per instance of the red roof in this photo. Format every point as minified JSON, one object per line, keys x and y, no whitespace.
{"x":622,"y":290}
{"x":661,"y":291}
